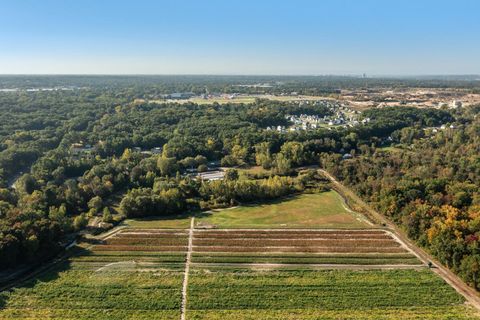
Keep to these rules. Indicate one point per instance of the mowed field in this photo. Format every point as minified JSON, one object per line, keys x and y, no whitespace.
{"x":310,"y":271}
{"x":322,"y":210}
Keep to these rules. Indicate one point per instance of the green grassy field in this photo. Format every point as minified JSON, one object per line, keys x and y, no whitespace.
{"x":323,"y":210}
{"x":326,"y":294}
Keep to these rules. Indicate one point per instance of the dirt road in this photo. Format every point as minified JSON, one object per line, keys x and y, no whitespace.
{"x":187,"y":269}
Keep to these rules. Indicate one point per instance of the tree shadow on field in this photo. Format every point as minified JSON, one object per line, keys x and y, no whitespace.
{"x":43,"y":273}
{"x":173,"y":217}
{"x":202,"y":214}
{"x":285,"y":199}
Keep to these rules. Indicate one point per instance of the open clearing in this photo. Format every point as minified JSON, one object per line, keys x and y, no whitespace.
{"x":306,"y":257}
{"x":322,"y":210}
{"x":240,"y":99}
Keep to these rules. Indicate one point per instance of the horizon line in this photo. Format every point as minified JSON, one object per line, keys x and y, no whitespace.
{"x":366,"y":75}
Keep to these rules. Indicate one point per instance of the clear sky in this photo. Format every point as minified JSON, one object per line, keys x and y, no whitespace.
{"x":240,"y":37}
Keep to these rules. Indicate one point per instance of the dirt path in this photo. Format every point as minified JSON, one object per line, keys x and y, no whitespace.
{"x":461,"y":287}
{"x":187,"y":269}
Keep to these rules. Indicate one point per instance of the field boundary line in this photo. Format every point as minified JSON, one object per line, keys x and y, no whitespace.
{"x":187,"y":269}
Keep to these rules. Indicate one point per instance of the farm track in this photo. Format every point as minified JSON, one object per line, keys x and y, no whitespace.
{"x":187,"y":270}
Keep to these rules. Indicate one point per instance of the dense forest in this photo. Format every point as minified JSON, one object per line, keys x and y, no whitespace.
{"x":68,"y":157}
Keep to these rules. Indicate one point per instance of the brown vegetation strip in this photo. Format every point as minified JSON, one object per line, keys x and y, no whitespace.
{"x":292,"y":232}
{"x":277,"y":238}
{"x":134,"y":230}
{"x":292,"y":236}
{"x":138,"y":248}
{"x":148,"y":241}
{"x":298,"y":243}
{"x":278,"y":249}
{"x":151,"y":235}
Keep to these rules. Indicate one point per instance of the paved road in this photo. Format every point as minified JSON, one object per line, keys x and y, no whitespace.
{"x":469,"y":293}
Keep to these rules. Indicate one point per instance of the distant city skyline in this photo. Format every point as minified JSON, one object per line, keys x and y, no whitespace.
{"x":303,"y":37}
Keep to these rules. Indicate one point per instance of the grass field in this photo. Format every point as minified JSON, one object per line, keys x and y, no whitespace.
{"x":322,"y":210}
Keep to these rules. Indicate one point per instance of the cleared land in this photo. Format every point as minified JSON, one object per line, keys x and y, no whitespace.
{"x":240,"y":99}
{"x":258,"y":272}
{"x":322,"y":210}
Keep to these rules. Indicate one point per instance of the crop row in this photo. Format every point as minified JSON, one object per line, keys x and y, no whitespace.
{"x":139,"y":248}
{"x":151,"y":235}
{"x":302,"y":254}
{"x":93,"y":253}
{"x":88,"y":314}
{"x":294,"y":237}
{"x":329,"y":249}
{"x":107,"y":259}
{"x":147,"y":241}
{"x":306,"y":260}
{"x":289,"y":236}
{"x":296,"y":243}
{"x":287,"y":231}
{"x":159,"y":231}
{"x":126,"y":266}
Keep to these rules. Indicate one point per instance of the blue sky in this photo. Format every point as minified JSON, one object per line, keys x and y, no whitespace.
{"x":240,"y":37}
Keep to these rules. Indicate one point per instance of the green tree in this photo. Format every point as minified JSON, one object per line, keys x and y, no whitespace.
{"x":167,"y":166}
{"x":107,"y":215}
{"x":263,"y":156}
{"x":95,"y":203}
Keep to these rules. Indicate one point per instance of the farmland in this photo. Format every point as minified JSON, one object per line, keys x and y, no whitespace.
{"x":299,"y":247}
{"x":136,"y":274}
{"x":270,"y":270}
{"x":324,"y":294}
